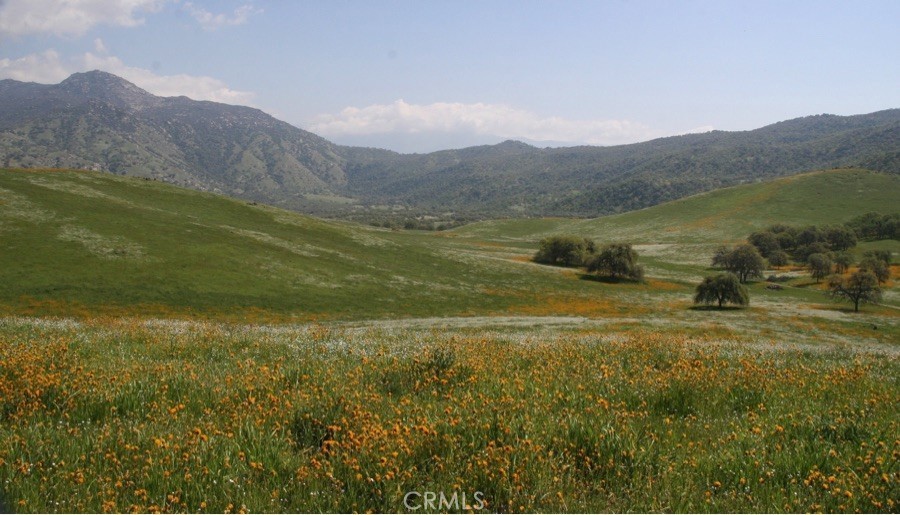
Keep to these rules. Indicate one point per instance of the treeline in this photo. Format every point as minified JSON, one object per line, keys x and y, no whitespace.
{"x":781,"y":243}
{"x":874,"y":226}
{"x":615,"y":260}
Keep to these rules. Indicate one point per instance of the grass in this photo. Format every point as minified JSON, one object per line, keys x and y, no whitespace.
{"x":728,"y":214}
{"x":187,"y":416}
{"x":82,"y":243}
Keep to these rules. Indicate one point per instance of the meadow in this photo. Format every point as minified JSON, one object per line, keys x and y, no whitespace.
{"x":163,"y":350}
{"x":161,"y":416}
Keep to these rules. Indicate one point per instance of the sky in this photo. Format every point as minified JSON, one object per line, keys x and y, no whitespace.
{"x":424,"y":75}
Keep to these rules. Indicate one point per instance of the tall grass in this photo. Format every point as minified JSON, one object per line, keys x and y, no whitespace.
{"x":124,"y":415}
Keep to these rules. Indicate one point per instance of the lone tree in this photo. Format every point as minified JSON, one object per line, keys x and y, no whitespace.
{"x":617,"y":260}
{"x":820,"y":266}
{"x":564,"y":250}
{"x":744,"y":261}
{"x":721,"y":289}
{"x":862,"y":286}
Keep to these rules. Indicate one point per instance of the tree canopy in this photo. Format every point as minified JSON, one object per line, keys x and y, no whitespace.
{"x":877,"y":267}
{"x":617,"y":260}
{"x":860,"y":287}
{"x":564,"y":251}
{"x":744,"y":261}
{"x":721,"y":289}
{"x":820,"y":266}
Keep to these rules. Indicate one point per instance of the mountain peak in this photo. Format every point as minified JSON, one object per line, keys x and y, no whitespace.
{"x":108,"y":87}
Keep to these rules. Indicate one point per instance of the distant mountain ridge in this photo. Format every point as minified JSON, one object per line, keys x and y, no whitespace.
{"x":98,"y":121}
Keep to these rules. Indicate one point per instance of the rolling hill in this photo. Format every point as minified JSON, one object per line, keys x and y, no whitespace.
{"x":677,"y":239}
{"x":88,"y":243}
{"x":816,"y":198}
{"x":99,"y":121}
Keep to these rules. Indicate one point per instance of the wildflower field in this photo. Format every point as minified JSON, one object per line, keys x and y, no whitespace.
{"x":136,"y":415}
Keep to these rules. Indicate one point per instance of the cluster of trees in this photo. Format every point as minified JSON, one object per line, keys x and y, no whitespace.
{"x":780,"y":243}
{"x":616,"y":260}
{"x":744,"y":262}
{"x":874,"y":226}
{"x":565,"y":251}
{"x":876,"y":262}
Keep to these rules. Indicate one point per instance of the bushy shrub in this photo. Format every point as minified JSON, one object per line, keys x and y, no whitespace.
{"x":564,"y":251}
{"x":617,"y":260}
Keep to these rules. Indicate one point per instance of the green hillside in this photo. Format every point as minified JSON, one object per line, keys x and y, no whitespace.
{"x":818,"y":198}
{"x":677,"y":239}
{"x":83,"y":242}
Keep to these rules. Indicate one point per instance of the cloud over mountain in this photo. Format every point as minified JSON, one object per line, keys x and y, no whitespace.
{"x":49,"y":67}
{"x":497,"y":120}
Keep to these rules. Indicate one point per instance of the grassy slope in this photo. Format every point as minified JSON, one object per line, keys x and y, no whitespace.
{"x":678,"y":236}
{"x":88,"y":243}
{"x":828,"y":197}
{"x":677,"y":239}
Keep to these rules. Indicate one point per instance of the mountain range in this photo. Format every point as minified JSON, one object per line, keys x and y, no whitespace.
{"x":99,"y":121}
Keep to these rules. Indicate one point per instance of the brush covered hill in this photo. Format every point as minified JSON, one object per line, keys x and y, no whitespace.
{"x":515,"y":179}
{"x":98,"y":121}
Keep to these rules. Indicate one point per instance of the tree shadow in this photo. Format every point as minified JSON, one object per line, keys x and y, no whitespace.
{"x":717,"y":308}
{"x":807,"y":284}
{"x":844,"y":308}
{"x":608,"y":279}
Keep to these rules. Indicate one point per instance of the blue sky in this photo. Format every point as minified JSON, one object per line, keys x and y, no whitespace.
{"x":425,"y":75}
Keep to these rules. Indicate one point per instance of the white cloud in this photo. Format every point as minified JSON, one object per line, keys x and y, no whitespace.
{"x":481,"y":119}
{"x":49,"y":68}
{"x":100,"y":46}
{"x":70,"y":17}
{"x":210,"y":21}
{"x":46,"y":68}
